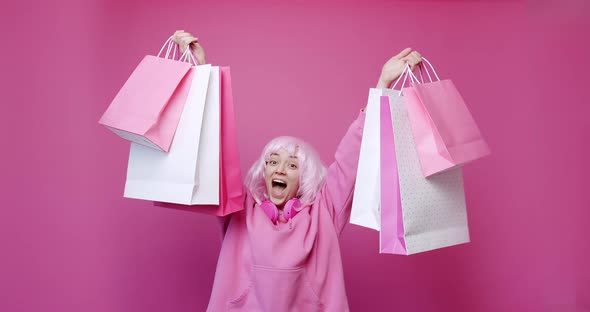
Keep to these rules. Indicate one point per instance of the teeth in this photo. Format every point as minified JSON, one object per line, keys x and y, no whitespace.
{"x":279,"y":181}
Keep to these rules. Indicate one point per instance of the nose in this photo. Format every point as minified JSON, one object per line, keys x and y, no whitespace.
{"x":281,"y":168}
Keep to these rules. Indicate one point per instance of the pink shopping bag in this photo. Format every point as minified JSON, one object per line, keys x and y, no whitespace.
{"x":391,"y":234}
{"x":147,"y":109}
{"x":445,"y":132}
{"x":232,"y":194}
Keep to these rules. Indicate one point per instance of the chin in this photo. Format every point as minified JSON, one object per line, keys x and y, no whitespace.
{"x":278,"y":202}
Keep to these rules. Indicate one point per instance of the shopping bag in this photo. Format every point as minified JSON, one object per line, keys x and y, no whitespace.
{"x":391,"y":212}
{"x":365,"y":203}
{"x":445,"y":132}
{"x":417,"y":214}
{"x":232,"y":194}
{"x":147,"y":108}
{"x":189,"y":173}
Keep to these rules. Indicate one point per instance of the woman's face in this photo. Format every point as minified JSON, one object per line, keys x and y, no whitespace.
{"x":282,"y":177}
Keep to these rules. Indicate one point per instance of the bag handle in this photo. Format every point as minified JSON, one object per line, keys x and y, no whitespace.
{"x":426,"y":69}
{"x":168,"y":43}
{"x":187,"y":56}
{"x":406,"y":73}
{"x":413,"y":79}
{"x":400,"y":77}
{"x":422,"y":76}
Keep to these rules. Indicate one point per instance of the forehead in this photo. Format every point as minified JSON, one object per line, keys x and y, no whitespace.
{"x":283,"y":154}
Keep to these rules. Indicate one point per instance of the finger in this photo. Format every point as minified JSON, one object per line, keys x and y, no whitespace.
{"x":403,"y":53}
{"x":184,"y":35}
{"x":407,"y":60}
{"x":412,"y":63}
{"x":417,"y":54}
{"x":413,"y":59}
{"x":417,"y":57}
{"x":178,"y":37}
{"x":178,"y":33}
{"x":188,"y":40}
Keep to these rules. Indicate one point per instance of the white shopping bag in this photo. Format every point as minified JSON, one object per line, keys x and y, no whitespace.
{"x":365,"y":203}
{"x":418,"y":214}
{"x":189,"y":173}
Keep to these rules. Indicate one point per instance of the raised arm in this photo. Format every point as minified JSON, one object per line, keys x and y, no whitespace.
{"x":339,"y":187}
{"x":337,"y":192}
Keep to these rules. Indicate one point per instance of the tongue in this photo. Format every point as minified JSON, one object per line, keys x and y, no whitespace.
{"x":278,"y":190}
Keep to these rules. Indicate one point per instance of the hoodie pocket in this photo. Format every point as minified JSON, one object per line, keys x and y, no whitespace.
{"x":273,"y":289}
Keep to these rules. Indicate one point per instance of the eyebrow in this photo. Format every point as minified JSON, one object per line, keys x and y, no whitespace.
{"x":275,"y":154}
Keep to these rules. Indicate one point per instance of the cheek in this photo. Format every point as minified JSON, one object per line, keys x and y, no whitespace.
{"x":267,"y":173}
{"x":295,"y":179}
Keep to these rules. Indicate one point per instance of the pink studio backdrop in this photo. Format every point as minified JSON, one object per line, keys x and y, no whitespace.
{"x":70,"y":242}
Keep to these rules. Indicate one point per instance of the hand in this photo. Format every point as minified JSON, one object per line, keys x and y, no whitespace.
{"x":184,"y":39}
{"x":396,"y":66}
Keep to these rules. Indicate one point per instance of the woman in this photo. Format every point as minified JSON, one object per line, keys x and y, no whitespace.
{"x":281,"y":252}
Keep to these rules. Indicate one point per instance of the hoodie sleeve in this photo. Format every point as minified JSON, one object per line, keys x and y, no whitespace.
{"x":338,"y":190}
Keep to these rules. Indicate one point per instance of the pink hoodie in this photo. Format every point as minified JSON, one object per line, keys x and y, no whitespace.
{"x":295,"y":265}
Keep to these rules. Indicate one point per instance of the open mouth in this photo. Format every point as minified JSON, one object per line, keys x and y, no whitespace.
{"x":278,"y":187}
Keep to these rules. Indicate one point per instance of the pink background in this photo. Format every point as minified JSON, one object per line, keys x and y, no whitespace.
{"x":69,"y":241}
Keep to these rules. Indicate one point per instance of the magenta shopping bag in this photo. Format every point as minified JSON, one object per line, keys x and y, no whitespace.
{"x":445,"y":133}
{"x":232,"y":194}
{"x":391,"y":234}
{"x":147,"y":109}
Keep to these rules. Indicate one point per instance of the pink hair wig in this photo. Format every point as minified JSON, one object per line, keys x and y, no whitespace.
{"x":312,"y":172}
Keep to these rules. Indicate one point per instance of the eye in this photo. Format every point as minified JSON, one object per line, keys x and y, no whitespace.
{"x":292,"y":166}
{"x":272,"y":162}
